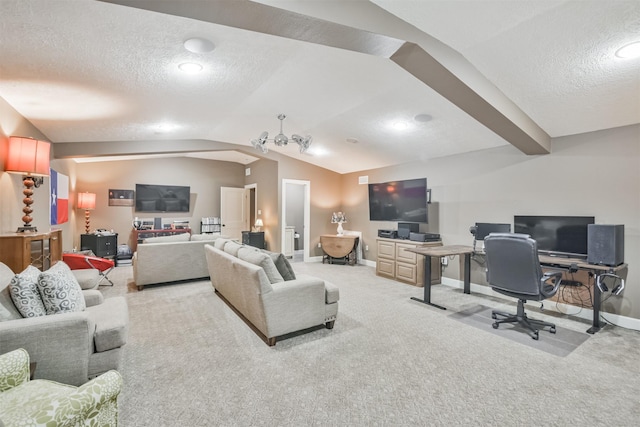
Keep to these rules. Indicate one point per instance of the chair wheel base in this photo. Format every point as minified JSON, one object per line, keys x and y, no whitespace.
{"x":495,"y":325}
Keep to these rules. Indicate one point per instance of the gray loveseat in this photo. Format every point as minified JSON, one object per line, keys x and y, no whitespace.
{"x":72,"y":347}
{"x":263,"y":288}
{"x":171,"y":259}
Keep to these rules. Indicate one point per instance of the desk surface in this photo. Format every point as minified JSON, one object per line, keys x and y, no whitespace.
{"x":580,"y":263}
{"x":448,"y":250}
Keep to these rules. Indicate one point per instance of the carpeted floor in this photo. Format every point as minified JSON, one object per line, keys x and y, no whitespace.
{"x":190,"y":361}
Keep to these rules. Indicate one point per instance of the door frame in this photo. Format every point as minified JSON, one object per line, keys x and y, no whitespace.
{"x":247,"y":188}
{"x":306,"y":206}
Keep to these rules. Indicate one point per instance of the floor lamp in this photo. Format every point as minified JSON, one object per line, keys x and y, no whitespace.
{"x":86,"y":201}
{"x":29,"y":157}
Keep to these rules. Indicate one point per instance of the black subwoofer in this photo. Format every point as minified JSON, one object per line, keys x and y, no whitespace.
{"x":605,"y":244}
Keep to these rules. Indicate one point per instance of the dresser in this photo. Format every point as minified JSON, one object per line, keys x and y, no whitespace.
{"x":253,"y":238}
{"x":42,"y":250}
{"x":395,"y":262}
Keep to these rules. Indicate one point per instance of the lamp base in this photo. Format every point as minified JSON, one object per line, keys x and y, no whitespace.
{"x":340,"y":229}
{"x":27,"y":229}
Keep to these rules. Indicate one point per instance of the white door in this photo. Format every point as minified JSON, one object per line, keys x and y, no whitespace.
{"x":233,"y":212}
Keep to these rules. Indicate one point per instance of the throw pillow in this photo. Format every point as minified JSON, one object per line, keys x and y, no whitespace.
{"x":261,"y":260}
{"x":232,"y":248}
{"x":282,"y":264}
{"x":25,"y":295}
{"x":60,"y":291}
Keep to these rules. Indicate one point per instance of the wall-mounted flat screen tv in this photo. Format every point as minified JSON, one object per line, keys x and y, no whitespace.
{"x":556,"y":235}
{"x":399,"y":201}
{"x":162,"y":198}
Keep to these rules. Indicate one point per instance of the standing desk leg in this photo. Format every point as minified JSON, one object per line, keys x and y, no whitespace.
{"x":467,"y":273}
{"x":427,"y":285}
{"x":597,"y":296}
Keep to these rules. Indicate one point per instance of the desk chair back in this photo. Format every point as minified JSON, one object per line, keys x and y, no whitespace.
{"x":513,"y":267}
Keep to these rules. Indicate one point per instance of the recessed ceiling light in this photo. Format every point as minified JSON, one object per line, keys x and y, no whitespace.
{"x":400,"y":125}
{"x":198,"y":45}
{"x":165,"y":127}
{"x":629,"y":51}
{"x":423,"y":118}
{"x":190,"y":67}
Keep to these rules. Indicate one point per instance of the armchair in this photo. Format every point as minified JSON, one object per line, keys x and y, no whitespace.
{"x":513,"y":269}
{"x":43,"y":403}
{"x":68,"y":347}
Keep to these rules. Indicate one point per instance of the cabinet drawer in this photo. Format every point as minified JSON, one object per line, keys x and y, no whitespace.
{"x":385,"y":267}
{"x":403,"y":256}
{"x":387,"y":250}
{"x":406,"y":272}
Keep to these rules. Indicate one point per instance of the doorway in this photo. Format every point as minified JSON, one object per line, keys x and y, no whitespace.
{"x":296,"y":202}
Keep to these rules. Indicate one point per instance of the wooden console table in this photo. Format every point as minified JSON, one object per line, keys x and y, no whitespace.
{"x":42,"y":250}
{"x":339,"y":248}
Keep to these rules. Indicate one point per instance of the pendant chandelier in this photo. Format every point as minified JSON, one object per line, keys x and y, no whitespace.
{"x":281,"y":139}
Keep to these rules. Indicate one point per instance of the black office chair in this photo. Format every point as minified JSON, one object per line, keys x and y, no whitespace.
{"x":513,"y":269}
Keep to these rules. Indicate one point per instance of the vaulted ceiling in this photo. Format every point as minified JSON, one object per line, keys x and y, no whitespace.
{"x":376,"y":83}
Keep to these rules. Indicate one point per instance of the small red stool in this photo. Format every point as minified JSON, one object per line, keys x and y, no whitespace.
{"x":82,"y":262}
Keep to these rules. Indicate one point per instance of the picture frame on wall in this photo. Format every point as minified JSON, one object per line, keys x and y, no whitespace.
{"x":121,"y":197}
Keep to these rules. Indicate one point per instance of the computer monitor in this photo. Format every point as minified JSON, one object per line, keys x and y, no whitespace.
{"x":483,"y":229}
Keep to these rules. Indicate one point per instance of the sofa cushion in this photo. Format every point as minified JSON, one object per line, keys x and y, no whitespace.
{"x":261,"y":260}
{"x":181,"y":237}
{"x":199,"y":237}
{"x":25,"y":294}
{"x":87,"y":278}
{"x":59,"y":289}
{"x":232,"y":248}
{"x":220,"y":243}
{"x":282,"y":264}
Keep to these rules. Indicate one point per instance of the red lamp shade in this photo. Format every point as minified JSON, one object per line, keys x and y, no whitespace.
{"x":86,"y":201}
{"x":28,"y":156}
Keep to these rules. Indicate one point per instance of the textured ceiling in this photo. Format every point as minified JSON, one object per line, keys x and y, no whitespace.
{"x":90,"y":71}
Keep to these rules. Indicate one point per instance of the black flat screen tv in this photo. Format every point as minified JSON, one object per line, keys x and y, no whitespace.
{"x":399,"y":201}
{"x":556,"y":235}
{"x":162,"y":198}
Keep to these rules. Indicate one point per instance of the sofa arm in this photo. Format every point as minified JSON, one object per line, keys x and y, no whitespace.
{"x":92,"y":297}
{"x":60,"y":344}
{"x":294,"y":305}
{"x":14,"y":369}
{"x":112,"y":323}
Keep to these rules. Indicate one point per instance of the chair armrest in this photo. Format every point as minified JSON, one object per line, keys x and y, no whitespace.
{"x":59,"y":343}
{"x":14,"y":369}
{"x":545,"y":290}
{"x":92,"y":297}
{"x":75,"y":407}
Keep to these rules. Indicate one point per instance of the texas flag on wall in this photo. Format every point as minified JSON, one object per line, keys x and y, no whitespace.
{"x":59,"y":197}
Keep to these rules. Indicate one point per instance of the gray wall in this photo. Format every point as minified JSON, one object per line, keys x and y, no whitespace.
{"x":594,"y":174}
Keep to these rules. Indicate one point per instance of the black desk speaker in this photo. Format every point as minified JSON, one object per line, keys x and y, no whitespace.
{"x":605,"y":244}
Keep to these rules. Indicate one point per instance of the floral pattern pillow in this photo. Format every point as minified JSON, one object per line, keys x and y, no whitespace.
{"x":60,"y":290}
{"x":24,"y":293}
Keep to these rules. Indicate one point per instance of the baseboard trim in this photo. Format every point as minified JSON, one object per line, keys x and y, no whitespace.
{"x":566,"y":309}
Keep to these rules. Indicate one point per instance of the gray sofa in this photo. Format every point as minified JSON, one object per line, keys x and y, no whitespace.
{"x":171,"y":259}
{"x":263,"y":288}
{"x":72,"y":347}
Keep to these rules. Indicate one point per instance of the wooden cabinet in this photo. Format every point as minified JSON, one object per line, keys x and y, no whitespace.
{"x":42,"y":250}
{"x":102,"y":245}
{"x":395,"y":262}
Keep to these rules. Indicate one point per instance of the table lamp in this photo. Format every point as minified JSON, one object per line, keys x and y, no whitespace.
{"x":258,"y":225}
{"x":86,"y":201}
{"x":29,"y":157}
{"x":339,"y":218}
